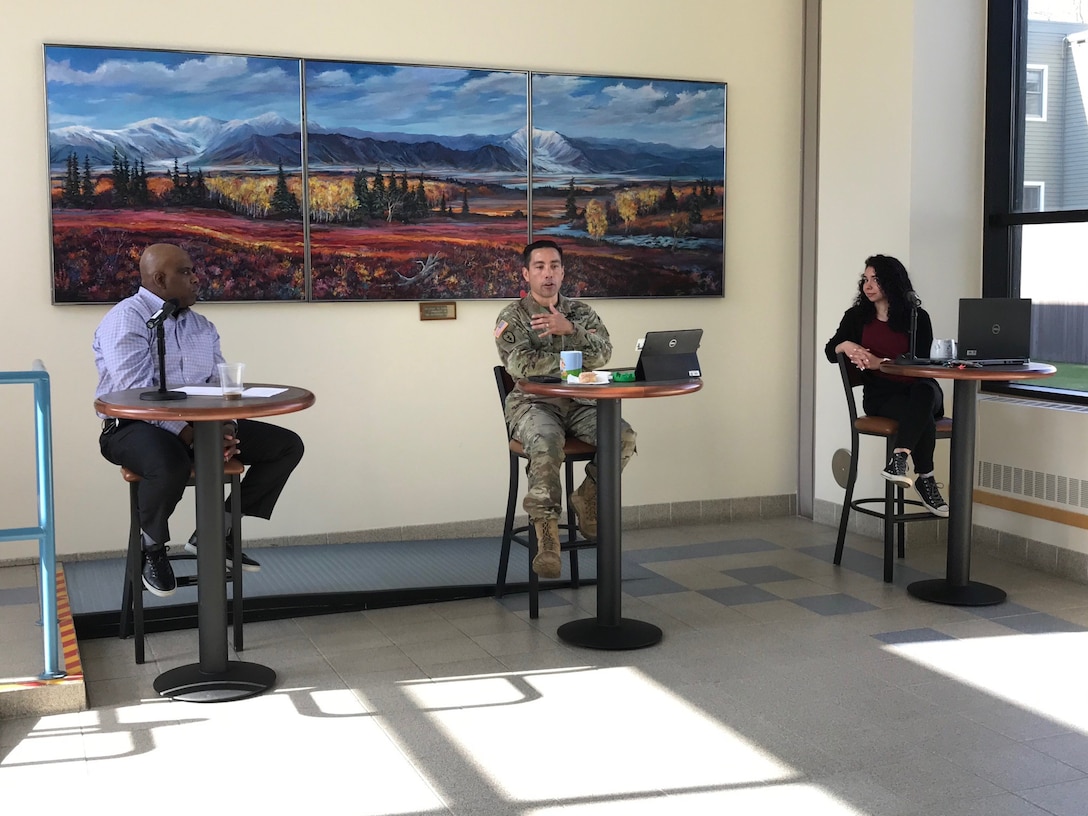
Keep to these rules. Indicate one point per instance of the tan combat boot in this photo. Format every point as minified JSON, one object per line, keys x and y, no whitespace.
{"x":547,"y":563}
{"x":584,"y":502}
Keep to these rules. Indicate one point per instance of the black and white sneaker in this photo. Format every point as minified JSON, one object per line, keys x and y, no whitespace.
{"x":928,"y":489}
{"x":158,"y":575}
{"x":896,"y":470}
{"x":248,"y":564}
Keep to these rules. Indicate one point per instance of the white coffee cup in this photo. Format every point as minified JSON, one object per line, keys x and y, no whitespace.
{"x":943,"y":350}
{"x":231,"y":379}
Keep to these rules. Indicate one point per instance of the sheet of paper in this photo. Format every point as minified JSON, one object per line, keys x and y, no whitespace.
{"x":216,"y":391}
{"x":201,"y":390}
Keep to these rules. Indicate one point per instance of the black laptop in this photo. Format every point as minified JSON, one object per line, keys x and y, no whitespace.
{"x":669,"y":355}
{"x":994,"y":331}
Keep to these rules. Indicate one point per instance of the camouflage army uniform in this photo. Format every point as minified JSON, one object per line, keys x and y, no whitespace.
{"x":542,"y":424}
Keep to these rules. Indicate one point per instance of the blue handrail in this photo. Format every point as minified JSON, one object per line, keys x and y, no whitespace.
{"x":47,"y":545}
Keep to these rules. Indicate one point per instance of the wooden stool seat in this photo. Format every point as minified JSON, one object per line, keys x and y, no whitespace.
{"x":572,"y":447}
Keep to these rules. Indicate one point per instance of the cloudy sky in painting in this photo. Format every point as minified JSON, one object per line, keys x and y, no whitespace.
{"x":113,"y":88}
{"x":679,"y":113}
{"x":109,"y":89}
{"x":408,"y":99}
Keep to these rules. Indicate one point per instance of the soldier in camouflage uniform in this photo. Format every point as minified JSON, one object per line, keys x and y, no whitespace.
{"x":530,"y":334}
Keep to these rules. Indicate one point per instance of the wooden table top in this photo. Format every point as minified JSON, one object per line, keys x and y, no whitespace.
{"x":1029,"y":371}
{"x":128,"y":405}
{"x":631,"y":390}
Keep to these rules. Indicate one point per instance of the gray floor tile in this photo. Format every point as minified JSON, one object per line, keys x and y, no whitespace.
{"x":760,"y":575}
{"x":837,"y":604}
{"x":922,"y":635}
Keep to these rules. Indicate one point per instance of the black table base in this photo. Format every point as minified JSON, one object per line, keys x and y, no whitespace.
{"x":215,"y":679}
{"x":592,"y":634}
{"x":240,"y":680}
{"x":939,"y":590}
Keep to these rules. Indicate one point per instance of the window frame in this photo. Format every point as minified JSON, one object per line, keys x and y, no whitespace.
{"x":1005,"y":121}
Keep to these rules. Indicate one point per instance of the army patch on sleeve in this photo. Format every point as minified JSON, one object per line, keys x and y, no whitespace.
{"x":499,"y":329}
{"x":509,"y":338}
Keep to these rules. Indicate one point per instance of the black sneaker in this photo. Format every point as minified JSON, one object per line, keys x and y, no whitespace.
{"x":248,"y":564}
{"x":896,"y":470}
{"x":158,"y":575}
{"x":927,"y":488}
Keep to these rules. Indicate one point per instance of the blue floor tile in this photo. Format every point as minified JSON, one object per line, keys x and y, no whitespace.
{"x":1037,"y":623}
{"x":18,"y":595}
{"x":871,"y":566}
{"x":760,"y":575}
{"x":913,"y":636}
{"x":704,"y":550}
{"x":1001,"y":610}
{"x":737,"y":595}
{"x":658,"y":585}
{"x":838,"y":604}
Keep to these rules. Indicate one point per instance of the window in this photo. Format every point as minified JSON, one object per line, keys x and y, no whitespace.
{"x":1036,"y":181}
{"x":1033,"y":196}
{"x":1035,"y":93}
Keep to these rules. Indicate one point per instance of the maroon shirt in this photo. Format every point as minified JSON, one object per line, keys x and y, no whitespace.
{"x":882,"y":341}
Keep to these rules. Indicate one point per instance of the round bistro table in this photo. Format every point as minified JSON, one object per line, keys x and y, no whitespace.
{"x":214,"y":678}
{"x":609,"y":630}
{"x":957,"y":588}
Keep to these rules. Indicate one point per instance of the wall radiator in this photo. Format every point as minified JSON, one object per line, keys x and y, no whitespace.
{"x":1036,"y":453}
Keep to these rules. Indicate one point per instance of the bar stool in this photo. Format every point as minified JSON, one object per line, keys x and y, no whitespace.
{"x":132,"y":602}
{"x":574,"y":450}
{"x":893,"y":504}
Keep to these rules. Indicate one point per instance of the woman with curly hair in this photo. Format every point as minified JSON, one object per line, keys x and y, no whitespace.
{"x":874,"y":330}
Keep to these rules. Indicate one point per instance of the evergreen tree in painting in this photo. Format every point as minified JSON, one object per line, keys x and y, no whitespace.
{"x":668,"y":200}
{"x":284,"y":204}
{"x":571,"y":211}
{"x":87,"y":184}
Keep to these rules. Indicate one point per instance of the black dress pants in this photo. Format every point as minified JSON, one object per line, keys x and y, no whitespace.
{"x":163,"y":462}
{"x":916,"y":406}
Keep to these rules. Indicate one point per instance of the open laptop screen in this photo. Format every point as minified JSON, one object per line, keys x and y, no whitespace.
{"x":669,"y":355}
{"x":995,"y":331}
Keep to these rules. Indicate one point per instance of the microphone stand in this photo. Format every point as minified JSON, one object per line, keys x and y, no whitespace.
{"x":162,"y":394}
{"x":910,"y":356}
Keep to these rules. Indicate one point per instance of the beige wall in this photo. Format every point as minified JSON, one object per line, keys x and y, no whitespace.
{"x":431,"y":450}
{"x":901,"y":125}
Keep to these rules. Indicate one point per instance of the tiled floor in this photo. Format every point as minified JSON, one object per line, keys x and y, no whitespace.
{"x":783,"y":685}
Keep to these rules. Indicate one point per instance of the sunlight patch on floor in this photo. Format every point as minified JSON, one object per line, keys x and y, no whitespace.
{"x":587,"y":734}
{"x":1043,"y":673}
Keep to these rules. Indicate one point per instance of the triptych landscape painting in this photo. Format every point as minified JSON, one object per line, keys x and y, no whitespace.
{"x":399,"y":183}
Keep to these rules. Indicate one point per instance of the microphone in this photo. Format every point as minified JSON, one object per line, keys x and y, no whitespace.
{"x":913,"y":299}
{"x":167,"y":309}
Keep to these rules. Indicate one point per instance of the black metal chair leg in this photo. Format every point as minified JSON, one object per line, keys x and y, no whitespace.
{"x":572,"y":525}
{"x":237,"y":613}
{"x":534,"y":579}
{"x":508,"y":528}
{"x":889,"y":531}
{"x":844,"y":519}
{"x":132,"y":570}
